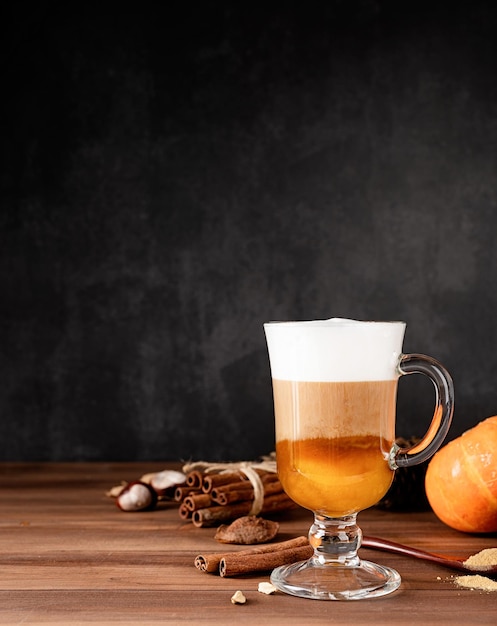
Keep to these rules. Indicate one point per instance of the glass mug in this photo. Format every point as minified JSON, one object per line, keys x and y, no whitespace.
{"x":335,"y":387}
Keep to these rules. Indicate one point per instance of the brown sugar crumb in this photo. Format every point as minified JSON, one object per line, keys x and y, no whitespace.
{"x":486,"y":559}
{"x":476,"y":582}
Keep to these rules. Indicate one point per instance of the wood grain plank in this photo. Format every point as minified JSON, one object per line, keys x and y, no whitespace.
{"x":69,"y":556}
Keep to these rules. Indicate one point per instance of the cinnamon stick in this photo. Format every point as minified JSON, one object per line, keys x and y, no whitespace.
{"x":232,"y":565}
{"x":214,"y":480}
{"x":211,"y":562}
{"x":184,"y":512}
{"x":194,"y":479}
{"x":231,"y":486}
{"x":235,"y":492}
{"x":197,"y":501}
{"x":211,"y":516}
{"x":230,"y":496}
{"x":182,"y":492}
{"x":270,"y":477}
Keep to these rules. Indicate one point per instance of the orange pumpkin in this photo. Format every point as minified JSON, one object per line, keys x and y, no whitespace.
{"x":461,"y":480}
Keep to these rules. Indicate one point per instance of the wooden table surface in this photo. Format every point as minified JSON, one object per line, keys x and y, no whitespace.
{"x":69,"y":556}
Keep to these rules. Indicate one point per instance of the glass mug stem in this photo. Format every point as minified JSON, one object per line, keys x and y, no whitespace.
{"x":335,"y":540}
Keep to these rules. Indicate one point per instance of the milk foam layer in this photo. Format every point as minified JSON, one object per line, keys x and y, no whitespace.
{"x":334,"y":350}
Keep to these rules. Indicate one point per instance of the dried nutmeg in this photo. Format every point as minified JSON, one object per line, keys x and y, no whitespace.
{"x":137,"y":496}
{"x":249,"y":529}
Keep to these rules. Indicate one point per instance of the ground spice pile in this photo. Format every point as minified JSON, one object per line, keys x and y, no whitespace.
{"x":486,"y":559}
{"x":483,"y":560}
{"x":474,"y":581}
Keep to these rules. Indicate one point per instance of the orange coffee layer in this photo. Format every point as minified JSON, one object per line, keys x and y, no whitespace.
{"x":335,"y":476}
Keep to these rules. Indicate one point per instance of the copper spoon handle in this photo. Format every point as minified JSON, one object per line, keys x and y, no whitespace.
{"x":397,"y":548}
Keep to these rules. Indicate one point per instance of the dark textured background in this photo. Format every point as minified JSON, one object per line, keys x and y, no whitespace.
{"x":171,"y":181}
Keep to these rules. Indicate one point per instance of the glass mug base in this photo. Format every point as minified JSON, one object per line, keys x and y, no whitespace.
{"x":311,"y":579}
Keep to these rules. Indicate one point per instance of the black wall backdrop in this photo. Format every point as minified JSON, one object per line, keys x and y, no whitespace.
{"x":170,"y":181}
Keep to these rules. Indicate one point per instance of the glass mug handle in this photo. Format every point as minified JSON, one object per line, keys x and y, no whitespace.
{"x":442,"y":417}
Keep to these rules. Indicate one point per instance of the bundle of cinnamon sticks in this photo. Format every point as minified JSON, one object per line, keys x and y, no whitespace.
{"x":210,"y":498}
